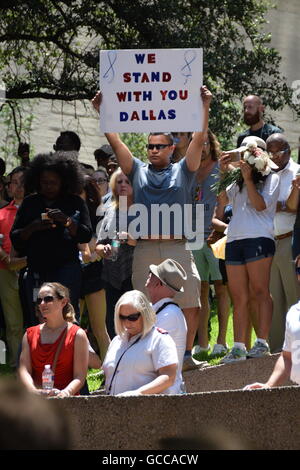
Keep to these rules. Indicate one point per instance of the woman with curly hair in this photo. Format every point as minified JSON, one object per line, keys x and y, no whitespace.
{"x":50,"y":223}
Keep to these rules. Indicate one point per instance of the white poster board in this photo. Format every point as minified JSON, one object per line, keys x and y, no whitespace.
{"x":151,"y":90}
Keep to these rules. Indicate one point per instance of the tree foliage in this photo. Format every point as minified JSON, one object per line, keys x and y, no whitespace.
{"x":50,"y":48}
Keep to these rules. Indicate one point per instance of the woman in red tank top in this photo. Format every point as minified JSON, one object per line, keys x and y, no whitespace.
{"x":41,"y":343}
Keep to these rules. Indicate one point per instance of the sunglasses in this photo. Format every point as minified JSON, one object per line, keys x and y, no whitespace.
{"x":297,"y":269}
{"x":132,"y":317}
{"x":47,"y":299}
{"x":157,"y":146}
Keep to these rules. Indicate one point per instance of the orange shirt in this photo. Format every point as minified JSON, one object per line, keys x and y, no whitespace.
{"x":42,"y":354}
{"x":7,"y":217}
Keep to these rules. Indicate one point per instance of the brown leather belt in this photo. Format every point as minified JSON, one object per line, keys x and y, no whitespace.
{"x":284,"y":235}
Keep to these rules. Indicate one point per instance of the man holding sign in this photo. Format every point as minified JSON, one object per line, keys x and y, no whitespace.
{"x":162,"y":190}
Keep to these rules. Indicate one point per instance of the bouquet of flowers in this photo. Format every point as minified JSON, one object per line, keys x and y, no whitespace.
{"x":257,"y":158}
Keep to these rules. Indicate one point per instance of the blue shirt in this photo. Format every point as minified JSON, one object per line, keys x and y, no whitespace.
{"x":160,"y":190}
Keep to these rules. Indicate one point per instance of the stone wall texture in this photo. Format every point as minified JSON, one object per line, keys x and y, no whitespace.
{"x":225,"y":419}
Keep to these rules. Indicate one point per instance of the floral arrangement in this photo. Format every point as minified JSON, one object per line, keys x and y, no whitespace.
{"x":255,"y":157}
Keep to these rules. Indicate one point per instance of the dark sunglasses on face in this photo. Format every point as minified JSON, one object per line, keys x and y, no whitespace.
{"x":132,"y":317}
{"x":298,"y":270}
{"x":47,"y":299}
{"x":157,"y":146}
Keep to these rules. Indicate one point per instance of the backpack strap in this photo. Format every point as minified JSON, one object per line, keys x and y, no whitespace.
{"x":165,"y":305}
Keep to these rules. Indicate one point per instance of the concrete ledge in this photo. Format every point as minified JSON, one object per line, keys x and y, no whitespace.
{"x":230,"y":376}
{"x":257,"y":419}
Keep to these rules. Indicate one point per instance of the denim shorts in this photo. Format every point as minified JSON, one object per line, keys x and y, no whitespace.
{"x":249,"y":250}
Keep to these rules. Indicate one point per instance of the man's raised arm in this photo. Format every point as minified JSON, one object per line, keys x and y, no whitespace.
{"x":122,"y":152}
{"x":193,"y":154}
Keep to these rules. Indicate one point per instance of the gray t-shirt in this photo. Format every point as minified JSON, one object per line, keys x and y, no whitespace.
{"x":202,"y":194}
{"x":158,"y":191}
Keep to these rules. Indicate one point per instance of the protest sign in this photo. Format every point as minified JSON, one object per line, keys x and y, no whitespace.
{"x":151,"y":90}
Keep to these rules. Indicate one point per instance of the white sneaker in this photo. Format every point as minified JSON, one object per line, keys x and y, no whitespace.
{"x":235,"y":355}
{"x":198,"y":349}
{"x":259,"y":350}
{"x":219,"y":349}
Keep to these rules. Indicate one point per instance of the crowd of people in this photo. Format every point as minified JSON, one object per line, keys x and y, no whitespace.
{"x":81,"y":240}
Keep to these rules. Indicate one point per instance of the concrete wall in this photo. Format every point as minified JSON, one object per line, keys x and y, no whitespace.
{"x":284,"y":26}
{"x":230,"y":419}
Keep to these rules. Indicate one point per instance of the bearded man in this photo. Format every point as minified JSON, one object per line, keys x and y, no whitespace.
{"x":253,"y":116}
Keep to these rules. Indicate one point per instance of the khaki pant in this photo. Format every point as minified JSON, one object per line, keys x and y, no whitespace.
{"x":12,"y":311}
{"x":284,"y":289}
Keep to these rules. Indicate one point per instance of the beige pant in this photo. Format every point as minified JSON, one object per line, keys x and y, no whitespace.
{"x":12,"y":311}
{"x":284,"y":289}
{"x":154,"y":252}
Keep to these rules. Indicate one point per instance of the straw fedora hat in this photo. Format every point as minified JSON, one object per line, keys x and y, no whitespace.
{"x":170,"y":273}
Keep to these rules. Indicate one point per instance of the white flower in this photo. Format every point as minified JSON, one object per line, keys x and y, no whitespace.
{"x":252,"y":146}
{"x":259,"y":163}
{"x":251,"y":160}
{"x":266,"y":172}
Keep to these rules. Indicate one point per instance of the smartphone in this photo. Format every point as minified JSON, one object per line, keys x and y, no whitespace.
{"x":235,"y":156}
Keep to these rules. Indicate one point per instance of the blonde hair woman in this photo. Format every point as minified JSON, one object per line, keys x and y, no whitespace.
{"x":116,"y":273}
{"x":141,"y":359}
{"x":57,"y":342}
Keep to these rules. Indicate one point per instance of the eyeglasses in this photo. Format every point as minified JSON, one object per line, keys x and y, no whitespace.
{"x":297,"y":270}
{"x":101,"y":180}
{"x":157,"y":146}
{"x":132,"y":317}
{"x":277,"y":154}
{"x":47,"y":299}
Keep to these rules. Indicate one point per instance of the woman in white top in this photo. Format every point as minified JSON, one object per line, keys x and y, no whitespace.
{"x":250,"y":245}
{"x":141,"y":359}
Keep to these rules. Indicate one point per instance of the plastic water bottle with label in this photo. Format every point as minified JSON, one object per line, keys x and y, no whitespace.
{"x":47,"y":378}
{"x":115,"y":245}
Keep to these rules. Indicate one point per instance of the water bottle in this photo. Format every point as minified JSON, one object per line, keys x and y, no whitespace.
{"x":183,"y":388}
{"x":115,"y":245}
{"x":47,"y":378}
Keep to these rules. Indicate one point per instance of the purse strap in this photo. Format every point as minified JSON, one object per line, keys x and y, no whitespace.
{"x":57,"y":352}
{"x":116,"y":368}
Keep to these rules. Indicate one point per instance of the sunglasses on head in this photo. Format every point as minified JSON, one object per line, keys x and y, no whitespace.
{"x":47,"y":299}
{"x":157,"y":146}
{"x":132,"y":317}
{"x":297,"y":270}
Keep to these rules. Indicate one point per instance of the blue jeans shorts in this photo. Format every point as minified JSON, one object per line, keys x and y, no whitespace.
{"x":249,"y":250}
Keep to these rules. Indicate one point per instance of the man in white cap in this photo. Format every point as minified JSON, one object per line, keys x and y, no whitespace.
{"x":164,"y":281}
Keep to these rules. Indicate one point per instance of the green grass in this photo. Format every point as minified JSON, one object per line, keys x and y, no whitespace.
{"x":206,"y":356}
